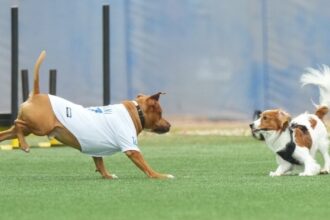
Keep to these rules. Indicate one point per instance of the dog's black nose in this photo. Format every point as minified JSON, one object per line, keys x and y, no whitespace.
{"x":251,"y":125}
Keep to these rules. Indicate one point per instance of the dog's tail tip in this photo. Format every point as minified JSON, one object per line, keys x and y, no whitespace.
{"x":321,"y":111}
{"x":42,"y":54}
{"x":41,"y":57}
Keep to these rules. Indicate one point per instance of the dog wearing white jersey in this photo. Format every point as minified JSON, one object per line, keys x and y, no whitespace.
{"x":296,"y":141}
{"x":97,"y":131}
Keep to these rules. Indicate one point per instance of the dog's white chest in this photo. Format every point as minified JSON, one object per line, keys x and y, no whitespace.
{"x":277,"y":141}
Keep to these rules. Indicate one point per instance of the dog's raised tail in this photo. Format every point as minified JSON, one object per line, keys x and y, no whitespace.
{"x":321,"y":111}
{"x":321,"y":78}
{"x":36,"y":90}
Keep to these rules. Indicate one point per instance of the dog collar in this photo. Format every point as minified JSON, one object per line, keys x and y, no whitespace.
{"x":140,"y":112}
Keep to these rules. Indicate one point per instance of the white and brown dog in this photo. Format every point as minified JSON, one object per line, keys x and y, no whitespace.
{"x":296,"y":141}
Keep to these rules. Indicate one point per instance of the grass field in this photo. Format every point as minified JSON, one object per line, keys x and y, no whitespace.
{"x":216,"y":178}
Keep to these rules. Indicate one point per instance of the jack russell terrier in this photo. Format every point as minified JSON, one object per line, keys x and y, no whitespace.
{"x":96,"y":131}
{"x":295,"y":141}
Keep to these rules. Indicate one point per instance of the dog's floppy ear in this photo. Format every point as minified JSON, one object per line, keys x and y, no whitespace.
{"x":156,"y":96}
{"x":284,"y":119}
{"x":140,"y":95}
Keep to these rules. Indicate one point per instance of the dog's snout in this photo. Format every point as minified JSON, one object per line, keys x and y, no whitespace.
{"x":162,"y":126}
{"x":255,"y":132}
{"x":168,"y":126}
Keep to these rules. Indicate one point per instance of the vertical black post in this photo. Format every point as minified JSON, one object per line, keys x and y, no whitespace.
{"x":25,"y":84}
{"x":14,"y":63}
{"x":106,"y":54}
{"x":52,"y":81}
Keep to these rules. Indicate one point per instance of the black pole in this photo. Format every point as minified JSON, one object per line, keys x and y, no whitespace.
{"x":25,"y":84}
{"x":52,"y":81}
{"x":106,"y":54}
{"x":14,"y":63}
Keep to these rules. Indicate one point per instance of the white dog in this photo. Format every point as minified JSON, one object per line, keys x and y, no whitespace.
{"x":296,"y":141}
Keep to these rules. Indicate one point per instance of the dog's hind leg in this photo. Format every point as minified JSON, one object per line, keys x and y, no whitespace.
{"x":101,"y":168}
{"x":311,"y":166}
{"x":16,"y":131}
{"x":21,"y":132}
{"x":8,"y":134}
{"x":323,"y":148}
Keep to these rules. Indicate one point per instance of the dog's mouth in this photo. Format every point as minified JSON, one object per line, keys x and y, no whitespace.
{"x":258,"y":136}
{"x":256,"y":132}
{"x":161,"y":130}
{"x":161,"y":127}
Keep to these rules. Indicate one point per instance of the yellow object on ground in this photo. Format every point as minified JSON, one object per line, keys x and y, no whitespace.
{"x":44,"y":144}
{"x":14,"y":143}
{"x":6,"y":147}
{"x":55,"y":142}
{"x":33,"y":141}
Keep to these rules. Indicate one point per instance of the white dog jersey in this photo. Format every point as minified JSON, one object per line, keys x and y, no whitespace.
{"x":100,"y":131}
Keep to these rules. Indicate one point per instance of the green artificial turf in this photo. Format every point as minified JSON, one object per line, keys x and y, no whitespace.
{"x":216,"y":178}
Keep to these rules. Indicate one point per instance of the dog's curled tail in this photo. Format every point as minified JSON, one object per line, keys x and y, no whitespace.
{"x":321,"y":78}
{"x":36,"y":90}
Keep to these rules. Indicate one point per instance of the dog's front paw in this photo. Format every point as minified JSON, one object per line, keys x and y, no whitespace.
{"x":25,"y":149}
{"x":169,"y":176}
{"x":114,"y":176}
{"x":110,"y":176}
{"x":161,"y":176}
{"x":273,"y":174}
{"x":307,"y":174}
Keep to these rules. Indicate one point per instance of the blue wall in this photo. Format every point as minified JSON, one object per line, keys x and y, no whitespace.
{"x":214,"y":58}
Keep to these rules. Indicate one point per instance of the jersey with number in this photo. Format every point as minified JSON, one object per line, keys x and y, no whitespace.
{"x":100,"y":131}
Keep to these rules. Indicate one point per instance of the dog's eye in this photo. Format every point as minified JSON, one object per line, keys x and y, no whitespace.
{"x":264,"y":117}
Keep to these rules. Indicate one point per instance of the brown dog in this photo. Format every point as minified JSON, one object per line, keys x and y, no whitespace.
{"x":80,"y":127}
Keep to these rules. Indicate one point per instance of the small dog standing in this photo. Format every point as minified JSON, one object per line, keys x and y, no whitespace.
{"x":296,"y":141}
{"x":96,"y":131}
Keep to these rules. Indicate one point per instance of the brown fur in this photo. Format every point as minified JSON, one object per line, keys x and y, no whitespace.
{"x":321,"y":112}
{"x":41,"y":58}
{"x":134,"y":115}
{"x":277,"y":120}
{"x":313,"y":122}
{"x":151,"y":107}
{"x":36,"y":116}
{"x":302,"y":137}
